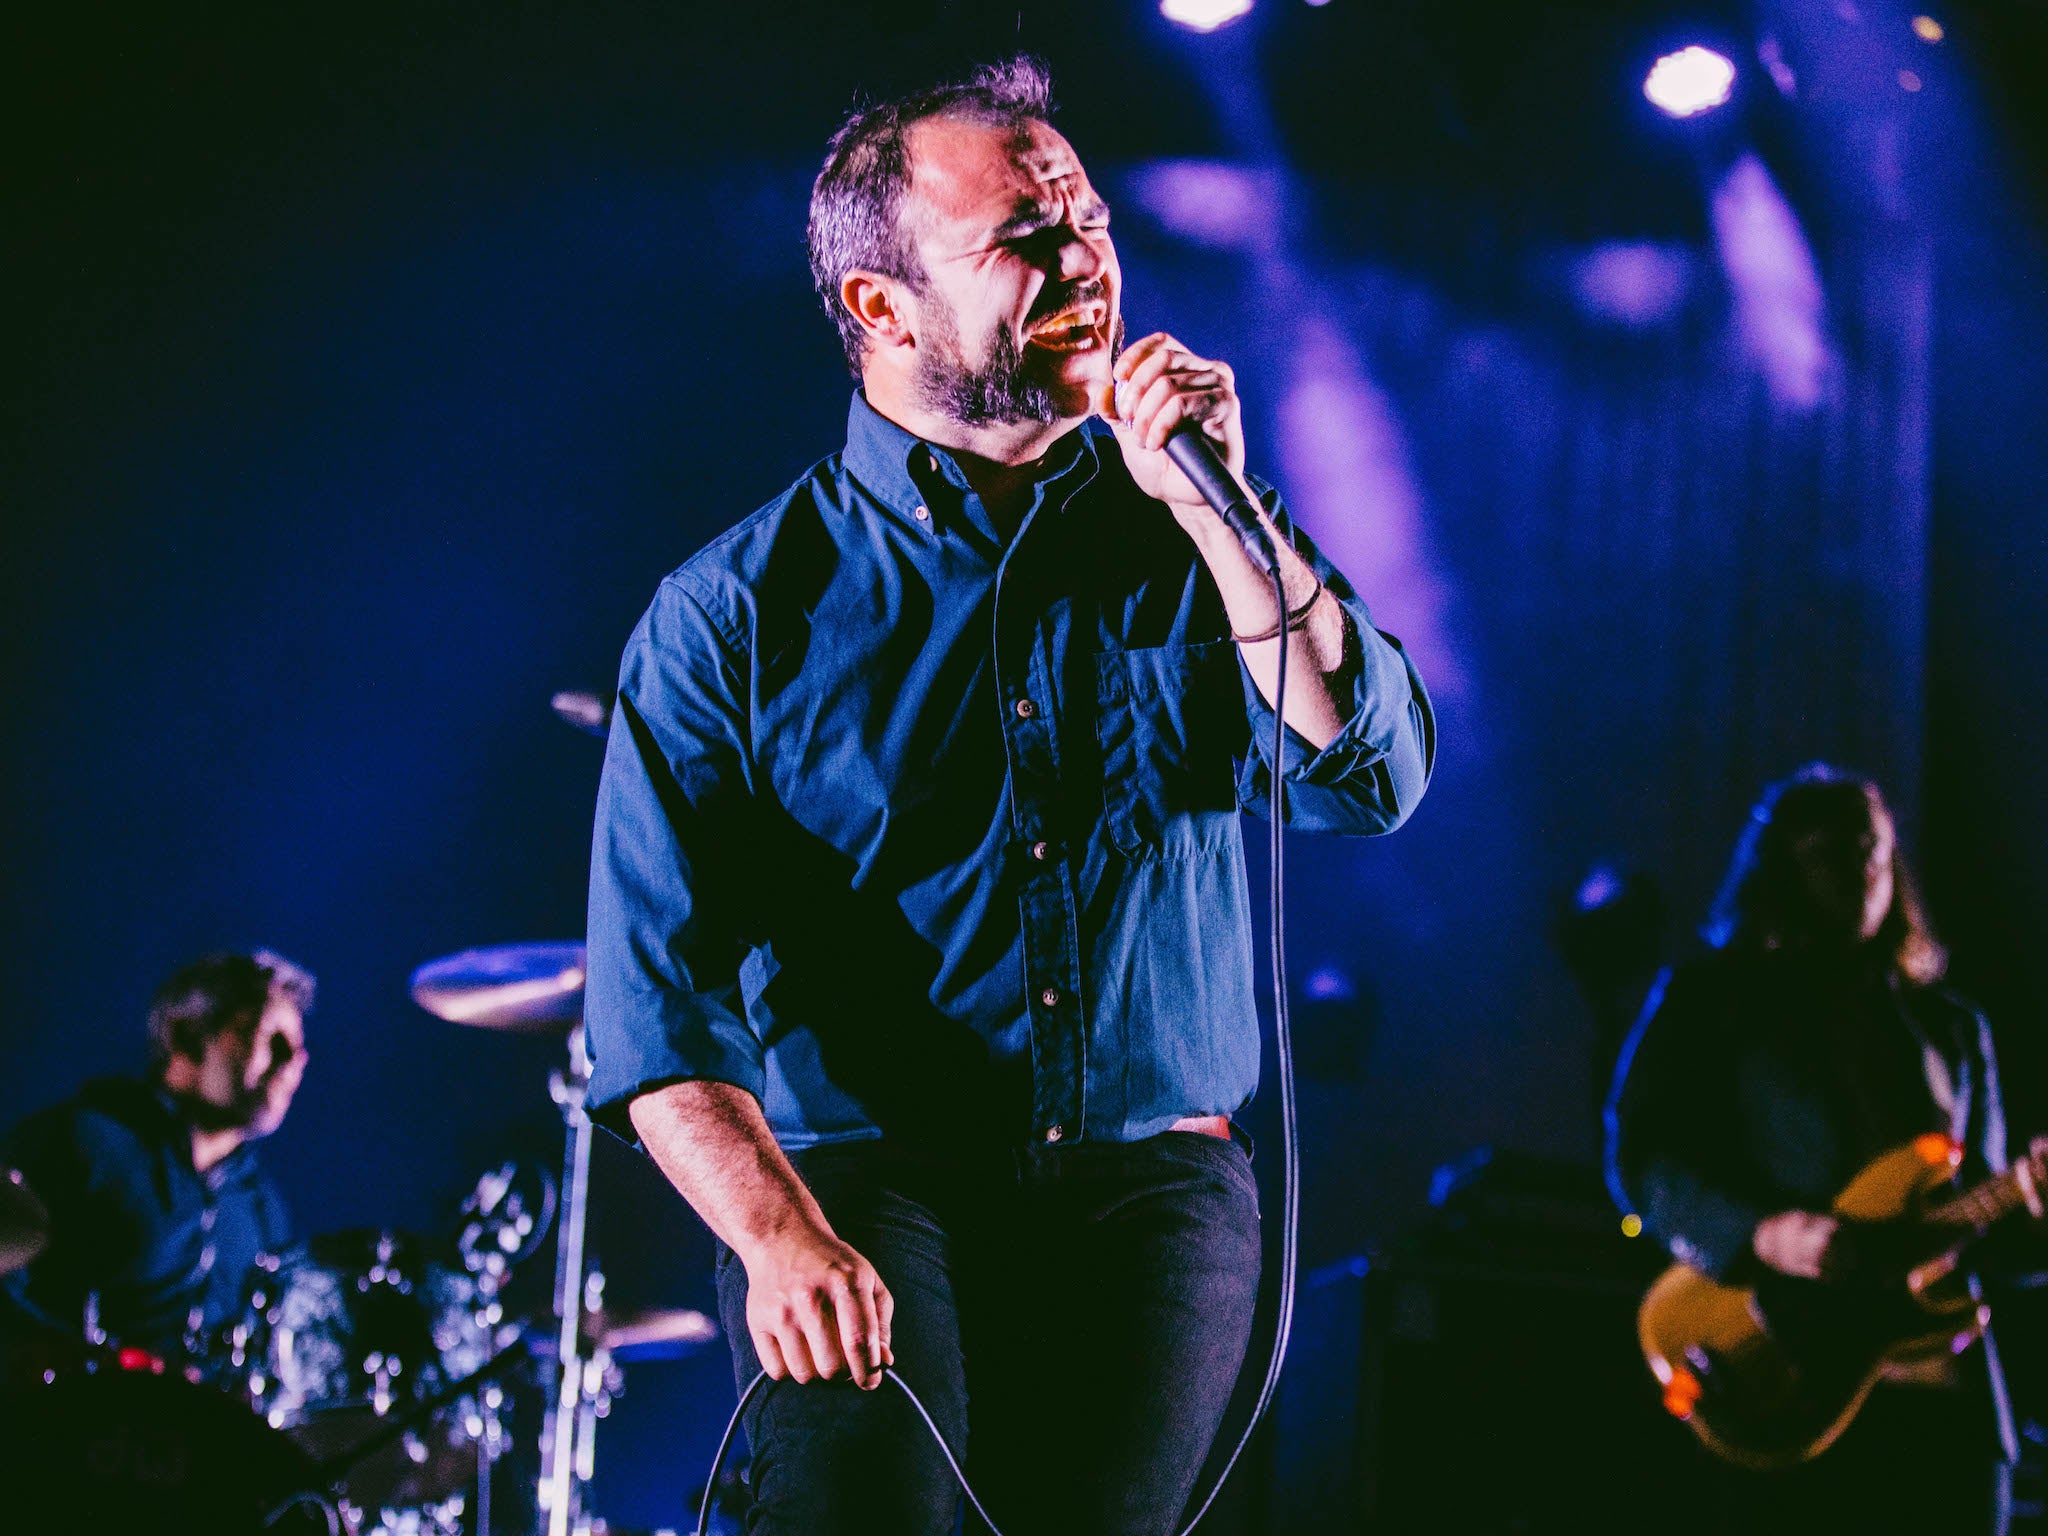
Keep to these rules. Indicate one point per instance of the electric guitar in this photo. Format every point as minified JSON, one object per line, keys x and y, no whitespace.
{"x":1770,"y":1375}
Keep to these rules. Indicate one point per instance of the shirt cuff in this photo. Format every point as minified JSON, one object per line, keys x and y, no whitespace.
{"x":1353,"y":746}
{"x":658,"y":1038}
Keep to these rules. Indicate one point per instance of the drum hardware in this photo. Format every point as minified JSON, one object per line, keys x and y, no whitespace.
{"x":526,"y":988}
{"x":538,"y":988}
{"x":340,"y":1341}
{"x":655,"y":1333}
{"x":503,"y":1224}
{"x":333,"y":1471}
{"x":535,"y":988}
{"x":569,"y":1451}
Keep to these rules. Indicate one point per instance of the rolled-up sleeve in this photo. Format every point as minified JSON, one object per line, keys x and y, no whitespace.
{"x":663,"y":1002}
{"x":1372,"y":774}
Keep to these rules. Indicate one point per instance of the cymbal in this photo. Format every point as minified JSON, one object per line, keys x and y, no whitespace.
{"x":527,"y":987}
{"x":651,"y":1333}
{"x":24,"y":1223}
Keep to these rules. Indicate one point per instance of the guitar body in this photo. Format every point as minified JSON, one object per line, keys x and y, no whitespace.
{"x":1770,"y":1376}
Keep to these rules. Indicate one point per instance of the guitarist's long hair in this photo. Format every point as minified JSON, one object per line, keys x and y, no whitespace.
{"x":1764,"y":903}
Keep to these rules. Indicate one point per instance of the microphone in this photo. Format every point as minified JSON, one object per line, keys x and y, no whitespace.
{"x":1193,"y":450}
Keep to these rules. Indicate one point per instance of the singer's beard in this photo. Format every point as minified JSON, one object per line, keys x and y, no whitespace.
{"x":1001,"y":391}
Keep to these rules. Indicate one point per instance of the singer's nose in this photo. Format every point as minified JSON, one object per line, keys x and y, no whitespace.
{"x":1080,"y":259}
{"x":1080,"y":262}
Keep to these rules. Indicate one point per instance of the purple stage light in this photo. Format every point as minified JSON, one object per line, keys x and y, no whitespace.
{"x":1689,"y":82}
{"x":1203,"y":15}
{"x":1213,"y":203}
{"x":1776,"y":283}
{"x":1328,"y":984}
{"x":1602,"y":884}
{"x":1633,"y":283}
{"x":1772,"y":55}
{"x":1345,"y":460}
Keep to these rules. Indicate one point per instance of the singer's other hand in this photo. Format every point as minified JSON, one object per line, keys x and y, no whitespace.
{"x":1156,"y":385}
{"x":817,"y":1309}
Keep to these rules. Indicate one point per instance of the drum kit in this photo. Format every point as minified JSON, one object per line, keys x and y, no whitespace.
{"x":375,"y":1379}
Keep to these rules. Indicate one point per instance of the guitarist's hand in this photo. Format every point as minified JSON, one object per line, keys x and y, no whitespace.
{"x":2033,"y":1175}
{"x":1795,"y":1242}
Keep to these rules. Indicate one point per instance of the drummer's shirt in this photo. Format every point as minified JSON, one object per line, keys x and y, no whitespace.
{"x":915,"y":826}
{"x":164,"y":1250}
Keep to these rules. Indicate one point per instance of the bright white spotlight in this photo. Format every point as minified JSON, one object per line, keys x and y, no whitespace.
{"x":1203,"y":15}
{"x":1689,"y":82}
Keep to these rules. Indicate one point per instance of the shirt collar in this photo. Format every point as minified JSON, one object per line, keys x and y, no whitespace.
{"x":909,"y":475}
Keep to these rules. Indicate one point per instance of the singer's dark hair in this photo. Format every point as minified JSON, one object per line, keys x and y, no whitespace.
{"x":217,"y":993}
{"x":857,"y":200}
{"x":1764,"y":902}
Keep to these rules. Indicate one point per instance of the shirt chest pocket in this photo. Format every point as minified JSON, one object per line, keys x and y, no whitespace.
{"x":1170,"y":722}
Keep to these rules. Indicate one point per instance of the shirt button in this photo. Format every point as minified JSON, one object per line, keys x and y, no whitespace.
{"x":1050,"y":997}
{"x":1025,"y":709}
{"x":1039,"y":851}
{"x":1053,"y":1133}
{"x":923,"y":514}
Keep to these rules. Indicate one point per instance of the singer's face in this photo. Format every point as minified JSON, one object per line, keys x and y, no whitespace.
{"x":1018,"y":314}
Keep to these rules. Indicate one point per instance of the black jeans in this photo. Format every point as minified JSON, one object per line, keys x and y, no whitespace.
{"x":1073,"y":1316}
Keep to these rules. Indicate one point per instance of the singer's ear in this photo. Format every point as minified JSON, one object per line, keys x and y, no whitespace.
{"x":880,"y":304}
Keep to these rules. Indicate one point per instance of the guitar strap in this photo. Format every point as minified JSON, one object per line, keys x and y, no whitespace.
{"x":1947,"y":1071}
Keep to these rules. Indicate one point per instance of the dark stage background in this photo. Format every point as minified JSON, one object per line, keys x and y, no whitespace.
{"x":368,"y":369}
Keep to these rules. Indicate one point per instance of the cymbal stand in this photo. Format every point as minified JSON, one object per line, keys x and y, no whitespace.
{"x":563,"y":1480}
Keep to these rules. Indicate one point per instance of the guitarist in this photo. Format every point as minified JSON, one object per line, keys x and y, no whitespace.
{"x":1813,"y":1034}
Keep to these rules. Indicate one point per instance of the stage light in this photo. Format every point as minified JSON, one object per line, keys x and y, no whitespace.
{"x":1689,"y":82}
{"x":1632,"y":283}
{"x":1203,"y":15}
{"x":1328,"y":984}
{"x":1775,"y":281}
{"x":1631,"y":1225}
{"x":1928,"y":30}
{"x":1908,"y":81}
{"x":1213,"y":202}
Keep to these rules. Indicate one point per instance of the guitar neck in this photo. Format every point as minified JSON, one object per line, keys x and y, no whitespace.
{"x":1985,"y":1204}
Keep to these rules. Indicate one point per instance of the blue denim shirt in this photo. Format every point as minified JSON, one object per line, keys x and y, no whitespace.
{"x":912,"y":829}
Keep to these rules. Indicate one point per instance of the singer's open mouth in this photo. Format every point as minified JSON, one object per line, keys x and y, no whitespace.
{"x":1071,"y":330}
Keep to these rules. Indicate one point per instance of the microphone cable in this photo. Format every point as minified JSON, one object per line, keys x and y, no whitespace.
{"x":1290,"y":1149}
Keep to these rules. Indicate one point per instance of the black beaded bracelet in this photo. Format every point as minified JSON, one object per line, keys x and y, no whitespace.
{"x":1294,"y":620}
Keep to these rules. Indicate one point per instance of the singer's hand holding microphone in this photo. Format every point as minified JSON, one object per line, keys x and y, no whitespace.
{"x":1178,"y":419}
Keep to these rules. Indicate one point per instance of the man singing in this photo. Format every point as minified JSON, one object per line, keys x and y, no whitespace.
{"x":920,"y":948}
{"x":158,"y":1206}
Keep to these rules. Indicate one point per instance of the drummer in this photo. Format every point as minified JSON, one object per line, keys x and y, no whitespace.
{"x":158,"y":1205}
